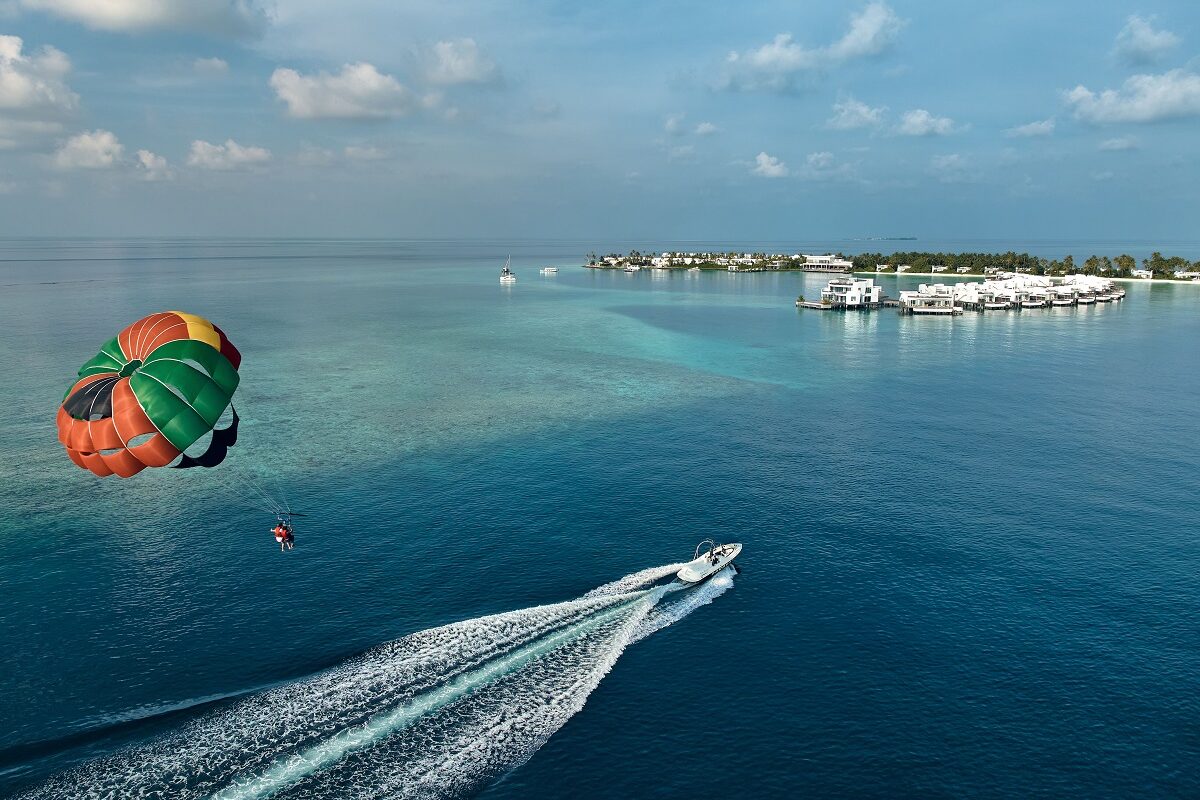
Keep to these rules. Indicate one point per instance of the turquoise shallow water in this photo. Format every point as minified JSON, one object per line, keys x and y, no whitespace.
{"x":971,"y":558}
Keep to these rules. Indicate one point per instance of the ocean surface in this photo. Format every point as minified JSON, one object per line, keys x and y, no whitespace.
{"x":971,"y":565}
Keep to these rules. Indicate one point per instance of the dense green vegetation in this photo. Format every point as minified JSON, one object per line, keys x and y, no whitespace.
{"x":708,"y":260}
{"x":978,"y":263}
{"x":1121,"y":266}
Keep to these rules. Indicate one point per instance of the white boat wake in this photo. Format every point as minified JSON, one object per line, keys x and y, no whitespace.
{"x":438,"y":713}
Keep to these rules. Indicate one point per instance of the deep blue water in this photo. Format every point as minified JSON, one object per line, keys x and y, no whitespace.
{"x":971,"y":564}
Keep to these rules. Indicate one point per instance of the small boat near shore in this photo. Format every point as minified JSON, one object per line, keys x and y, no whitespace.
{"x":706,"y":563}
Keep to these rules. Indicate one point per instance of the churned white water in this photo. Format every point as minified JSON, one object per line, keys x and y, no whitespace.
{"x":437,"y":713}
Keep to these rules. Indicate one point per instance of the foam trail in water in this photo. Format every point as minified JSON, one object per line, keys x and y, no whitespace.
{"x":633,"y":582}
{"x":675,"y":607}
{"x":436,"y":713}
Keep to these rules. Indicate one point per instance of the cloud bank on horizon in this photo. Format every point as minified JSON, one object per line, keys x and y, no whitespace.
{"x":742,"y":120}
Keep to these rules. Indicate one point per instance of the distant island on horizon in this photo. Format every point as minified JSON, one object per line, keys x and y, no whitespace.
{"x":1124,"y":266}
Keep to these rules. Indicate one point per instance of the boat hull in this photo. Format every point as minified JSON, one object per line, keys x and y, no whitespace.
{"x":702,"y":568}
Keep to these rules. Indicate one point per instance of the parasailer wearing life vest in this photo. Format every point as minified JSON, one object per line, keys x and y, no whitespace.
{"x":283,"y":530}
{"x":283,"y":535}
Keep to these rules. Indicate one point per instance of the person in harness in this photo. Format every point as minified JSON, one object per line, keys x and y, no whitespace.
{"x":283,"y":535}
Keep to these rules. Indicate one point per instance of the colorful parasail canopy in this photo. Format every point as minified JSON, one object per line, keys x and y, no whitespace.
{"x":156,"y":389}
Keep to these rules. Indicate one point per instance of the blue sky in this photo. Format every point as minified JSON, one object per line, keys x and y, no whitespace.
{"x":667,"y":120}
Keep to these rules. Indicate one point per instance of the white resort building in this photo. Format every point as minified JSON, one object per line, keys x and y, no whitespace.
{"x":1011,"y":291}
{"x":826,"y":263}
{"x":935,"y":298}
{"x":852,"y":293}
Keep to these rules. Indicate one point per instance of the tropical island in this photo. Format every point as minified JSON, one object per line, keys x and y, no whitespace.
{"x":1155,"y":266}
{"x":1124,"y":266}
{"x":731,"y":261}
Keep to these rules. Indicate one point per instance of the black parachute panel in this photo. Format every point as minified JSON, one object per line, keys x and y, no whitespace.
{"x":218,"y":448}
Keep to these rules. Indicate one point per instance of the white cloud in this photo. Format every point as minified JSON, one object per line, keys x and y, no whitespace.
{"x":821,"y":160}
{"x":951,"y":168}
{"x":1043,"y":127}
{"x":33,"y":88}
{"x":310,"y":156}
{"x":233,"y":18}
{"x":1102,"y":176}
{"x":98,"y":149}
{"x":673,"y":125}
{"x":683,"y":152}
{"x":772,"y":65}
{"x":458,"y":61}
{"x":872,"y":31}
{"x":849,"y":114}
{"x":229,"y":156}
{"x":706,"y":129}
{"x":775,"y":66}
{"x":210,"y":66}
{"x":766,"y":166}
{"x":1139,"y":43}
{"x":153,"y":167}
{"x":950,"y":161}
{"x":920,"y":122}
{"x":825,"y":166}
{"x":366,"y":153}
{"x":1142,"y":98}
{"x":359,"y":91}
{"x":1119,"y":144}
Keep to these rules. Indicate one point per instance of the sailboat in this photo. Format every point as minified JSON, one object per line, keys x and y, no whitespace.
{"x":506,"y":274}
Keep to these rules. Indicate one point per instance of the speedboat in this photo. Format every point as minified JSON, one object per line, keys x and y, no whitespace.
{"x":708,"y":562}
{"x":506,"y":274}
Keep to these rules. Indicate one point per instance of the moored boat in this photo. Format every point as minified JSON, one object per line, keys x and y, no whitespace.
{"x":506,"y":274}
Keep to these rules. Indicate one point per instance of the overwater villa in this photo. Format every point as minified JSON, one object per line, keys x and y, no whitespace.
{"x":937,"y":299}
{"x":850,"y":293}
{"x":847,"y":293}
{"x":1010,"y":291}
